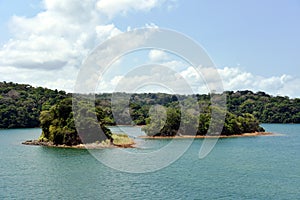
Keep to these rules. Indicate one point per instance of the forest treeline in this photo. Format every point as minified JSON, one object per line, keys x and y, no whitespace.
{"x":61,"y":125}
{"x":264,"y":107}
{"x":21,"y":105}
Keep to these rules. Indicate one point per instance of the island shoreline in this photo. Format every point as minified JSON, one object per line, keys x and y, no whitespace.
{"x":79,"y":146}
{"x":133,"y":145}
{"x":255,"y":134}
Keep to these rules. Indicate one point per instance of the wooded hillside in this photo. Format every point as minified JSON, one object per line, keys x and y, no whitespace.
{"x":21,"y":105}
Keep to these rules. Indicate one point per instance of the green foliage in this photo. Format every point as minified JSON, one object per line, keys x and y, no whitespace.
{"x":162,"y":114}
{"x":156,"y":120}
{"x":58,"y":124}
{"x":266,"y":108}
{"x":105,"y":143}
{"x":245,"y":110}
{"x":42,"y":139}
{"x":189,"y":123}
{"x":24,"y":106}
{"x":122,"y":140}
{"x":21,"y":104}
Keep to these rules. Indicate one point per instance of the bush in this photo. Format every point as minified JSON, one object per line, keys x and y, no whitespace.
{"x":122,"y":140}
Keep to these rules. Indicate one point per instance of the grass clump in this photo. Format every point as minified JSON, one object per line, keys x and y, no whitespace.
{"x":122,"y":140}
{"x":106,"y":143}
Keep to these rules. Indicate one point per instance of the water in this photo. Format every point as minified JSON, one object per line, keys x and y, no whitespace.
{"x":237,"y":168}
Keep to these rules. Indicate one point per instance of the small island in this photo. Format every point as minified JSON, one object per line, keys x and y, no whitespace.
{"x":160,"y":115}
{"x":76,"y":123}
{"x":119,"y":141}
{"x":174,"y":122}
{"x":255,"y":134}
{"x":59,"y":129}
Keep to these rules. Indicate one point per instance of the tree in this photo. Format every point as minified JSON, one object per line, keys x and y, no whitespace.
{"x":156,"y":120}
{"x":61,"y":125}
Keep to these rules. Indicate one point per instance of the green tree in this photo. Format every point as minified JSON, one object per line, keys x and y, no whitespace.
{"x":61,"y":126}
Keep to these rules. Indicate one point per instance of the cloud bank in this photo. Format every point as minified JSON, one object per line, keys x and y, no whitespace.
{"x":48,"y":49}
{"x":233,"y":78}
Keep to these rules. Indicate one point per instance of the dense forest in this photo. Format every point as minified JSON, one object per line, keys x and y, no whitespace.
{"x":264,"y":107}
{"x":169,"y":115}
{"x":23,"y":106}
{"x":59,"y":123}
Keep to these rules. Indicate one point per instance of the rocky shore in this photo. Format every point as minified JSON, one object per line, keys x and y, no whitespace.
{"x":79,"y":146}
{"x":209,"y":136}
{"x":131,"y":143}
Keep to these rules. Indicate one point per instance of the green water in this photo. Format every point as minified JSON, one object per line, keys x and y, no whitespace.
{"x":237,"y":168}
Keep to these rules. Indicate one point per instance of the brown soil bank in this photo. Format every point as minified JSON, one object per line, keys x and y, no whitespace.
{"x":209,"y":136}
{"x":79,"y":146}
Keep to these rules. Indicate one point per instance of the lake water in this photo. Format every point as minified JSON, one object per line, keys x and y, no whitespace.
{"x":266,"y":167}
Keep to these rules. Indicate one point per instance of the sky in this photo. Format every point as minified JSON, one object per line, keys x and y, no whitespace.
{"x":254,"y":45}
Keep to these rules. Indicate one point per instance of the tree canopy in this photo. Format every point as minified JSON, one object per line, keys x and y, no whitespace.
{"x":21,"y":104}
{"x":61,"y":125}
{"x":24,"y":106}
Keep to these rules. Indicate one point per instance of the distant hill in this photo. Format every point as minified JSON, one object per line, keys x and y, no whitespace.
{"x":21,"y":105}
{"x":266,"y":108}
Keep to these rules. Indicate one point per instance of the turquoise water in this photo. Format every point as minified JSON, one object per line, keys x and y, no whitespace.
{"x":237,"y":168}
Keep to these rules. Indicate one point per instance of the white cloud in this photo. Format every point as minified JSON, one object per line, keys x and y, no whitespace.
{"x":190,"y":73}
{"x":47,"y":49}
{"x":55,"y":79}
{"x":113,"y":7}
{"x":61,"y":35}
{"x":106,"y":32}
{"x":148,"y":78}
{"x":59,"y":38}
{"x":237,"y":79}
{"x":158,"y":55}
{"x":180,"y":77}
{"x":234,"y":78}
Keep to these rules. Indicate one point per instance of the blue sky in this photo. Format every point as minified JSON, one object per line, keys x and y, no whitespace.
{"x":255,"y":44}
{"x":262,"y":36}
